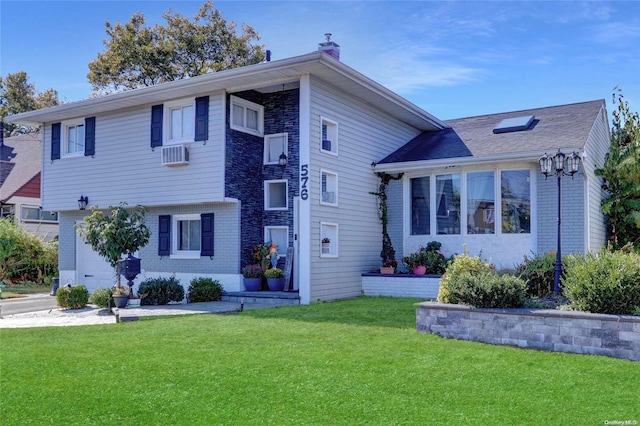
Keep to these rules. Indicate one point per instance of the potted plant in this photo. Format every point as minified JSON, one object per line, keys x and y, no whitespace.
{"x":120,"y":296}
{"x":112,"y":235}
{"x":252,"y":277}
{"x":275,"y":279}
{"x":426,"y":260}
{"x":389,"y":266}
{"x":326,"y":243}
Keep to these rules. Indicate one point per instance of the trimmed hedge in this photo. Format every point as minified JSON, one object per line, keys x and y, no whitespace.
{"x":462,"y":264}
{"x":75,"y":297}
{"x":538,"y":272}
{"x":489,"y":290}
{"x":101,"y":297}
{"x":203,"y":289}
{"x":161,"y":291}
{"x":606,"y":283}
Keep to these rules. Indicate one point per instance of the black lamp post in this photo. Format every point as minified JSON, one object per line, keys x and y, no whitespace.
{"x":567,"y":166}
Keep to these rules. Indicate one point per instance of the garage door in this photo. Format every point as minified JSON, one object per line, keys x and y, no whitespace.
{"x":91,"y":270}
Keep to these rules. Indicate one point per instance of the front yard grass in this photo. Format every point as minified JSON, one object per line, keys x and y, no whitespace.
{"x":343,"y":363}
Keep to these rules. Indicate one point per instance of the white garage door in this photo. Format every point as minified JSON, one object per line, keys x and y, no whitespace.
{"x":92,"y":271}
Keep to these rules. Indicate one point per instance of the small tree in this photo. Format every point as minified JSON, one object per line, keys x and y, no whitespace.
{"x":119,"y":232}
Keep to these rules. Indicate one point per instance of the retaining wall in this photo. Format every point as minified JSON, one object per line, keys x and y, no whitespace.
{"x":616,"y":336}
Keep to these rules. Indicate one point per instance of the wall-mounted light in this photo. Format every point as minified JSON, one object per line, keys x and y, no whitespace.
{"x":82,"y":202}
{"x":282,"y":160}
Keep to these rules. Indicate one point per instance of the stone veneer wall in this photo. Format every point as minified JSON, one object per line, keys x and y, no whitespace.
{"x":394,"y":285}
{"x":616,"y":336}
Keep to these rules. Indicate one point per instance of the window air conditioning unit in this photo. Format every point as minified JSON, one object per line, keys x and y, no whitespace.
{"x":175,"y":155}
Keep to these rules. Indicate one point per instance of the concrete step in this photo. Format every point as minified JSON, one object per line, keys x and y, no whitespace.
{"x":263,"y":297}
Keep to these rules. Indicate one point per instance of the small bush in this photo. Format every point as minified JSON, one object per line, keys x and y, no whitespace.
{"x":538,"y":273}
{"x":75,"y":297}
{"x":462,"y":264}
{"x":161,"y":291}
{"x":204,"y":290}
{"x":607,"y":283}
{"x":489,"y":290}
{"x":101,"y":297}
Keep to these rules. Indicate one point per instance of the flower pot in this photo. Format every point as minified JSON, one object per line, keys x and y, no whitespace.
{"x":387,"y":269}
{"x":419,"y":270}
{"x":275,"y":284}
{"x":252,"y":284}
{"x":120,"y":300}
{"x":133,"y":303}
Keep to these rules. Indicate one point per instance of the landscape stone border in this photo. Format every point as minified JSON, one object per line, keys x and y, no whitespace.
{"x":616,"y":336}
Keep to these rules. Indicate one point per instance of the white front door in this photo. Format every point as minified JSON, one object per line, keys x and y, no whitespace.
{"x":92,"y":270}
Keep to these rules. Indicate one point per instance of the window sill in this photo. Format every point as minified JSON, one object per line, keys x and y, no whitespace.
{"x":192,"y":255}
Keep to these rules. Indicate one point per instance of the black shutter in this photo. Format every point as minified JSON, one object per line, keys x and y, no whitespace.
{"x":89,"y":136}
{"x":206,"y":234}
{"x":156,"y":125}
{"x":202,"y":118}
{"x":55,"y":141}
{"x":164,"y":235}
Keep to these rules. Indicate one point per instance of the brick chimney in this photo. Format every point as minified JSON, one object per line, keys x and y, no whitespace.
{"x":330,"y":47}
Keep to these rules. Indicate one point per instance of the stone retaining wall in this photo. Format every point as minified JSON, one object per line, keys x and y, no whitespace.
{"x":616,"y":336}
{"x":396,"y":285}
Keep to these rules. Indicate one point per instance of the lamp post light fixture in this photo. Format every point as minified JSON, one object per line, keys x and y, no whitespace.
{"x":82,"y":202}
{"x":560,"y":165}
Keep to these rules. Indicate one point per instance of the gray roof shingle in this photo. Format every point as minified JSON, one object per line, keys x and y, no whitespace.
{"x":563,"y":126}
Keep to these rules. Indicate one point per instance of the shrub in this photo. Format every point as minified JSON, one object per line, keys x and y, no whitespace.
{"x":161,"y":291}
{"x":75,"y":297}
{"x":538,"y":273}
{"x":489,"y":290}
{"x":101,"y":297}
{"x":607,"y":283}
{"x":204,"y":290}
{"x":462,"y":264}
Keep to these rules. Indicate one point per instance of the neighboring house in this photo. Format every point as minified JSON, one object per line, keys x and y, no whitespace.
{"x":20,"y":164}
{"x":202,"y":154}
{"x":478,"y":183}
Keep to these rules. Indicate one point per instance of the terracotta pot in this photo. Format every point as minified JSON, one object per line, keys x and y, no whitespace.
{"x":387,"y":269}
{"x":419,"y":270}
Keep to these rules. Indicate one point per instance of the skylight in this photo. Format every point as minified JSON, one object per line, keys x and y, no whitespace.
{"x":515,"y":124}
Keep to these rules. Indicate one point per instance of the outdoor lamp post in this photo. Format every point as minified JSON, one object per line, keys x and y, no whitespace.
{"x":560,"y":165}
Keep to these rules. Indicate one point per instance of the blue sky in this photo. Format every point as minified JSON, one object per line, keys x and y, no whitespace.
{"x":453,"y":59}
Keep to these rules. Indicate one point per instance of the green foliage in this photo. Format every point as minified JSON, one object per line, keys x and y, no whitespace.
{"x":489,"y":290}
{"x":75,"y":297}
{"x":607,"y":283}
{"x":18,"y":95}
{"x":621,"y":177}
{"x":538,"y":272}
{"x":118,"y":232}
{"x":203,"y":289}
{"x":462,"y":264}
{"x":274,"y":273}
{"x":24,"y":256}
{"x":388,"y":253}
{"x":138,"y":56}
{"x":428,"y":256}
{"x":161,"y":291}
{"x":101,"y":297}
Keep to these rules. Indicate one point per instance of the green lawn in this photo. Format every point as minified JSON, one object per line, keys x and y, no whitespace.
{"x":343,"y":363}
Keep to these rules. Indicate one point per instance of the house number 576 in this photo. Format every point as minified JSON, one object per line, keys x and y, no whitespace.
{"x":304,"y":180}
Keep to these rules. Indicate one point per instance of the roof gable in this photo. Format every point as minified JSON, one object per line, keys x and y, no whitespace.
{"x":19,"y":163}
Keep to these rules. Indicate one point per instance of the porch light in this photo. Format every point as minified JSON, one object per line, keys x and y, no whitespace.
{"x":282,"y":160}
{"x":564,"y":166}
{"x":82,"y":202}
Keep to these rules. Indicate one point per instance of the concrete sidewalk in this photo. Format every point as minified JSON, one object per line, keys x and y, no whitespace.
{"x":93,"y":315}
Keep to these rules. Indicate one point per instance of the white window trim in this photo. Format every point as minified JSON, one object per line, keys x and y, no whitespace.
{"x":267,"y":138}
{"x":182,"y":254}
{"x":247,"y":104}
{"x":329,"y":230}
{"x":26,"y":206}
{"x":329,"y":172}
{"x":282,"y":251}
{"x":64,"y":138}
{"x":166,"y":125}
{"x":334,"y":123}
{"x":266,"y":194}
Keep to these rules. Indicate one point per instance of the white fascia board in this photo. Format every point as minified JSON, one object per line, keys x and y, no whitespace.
{"x":409,"y":166}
